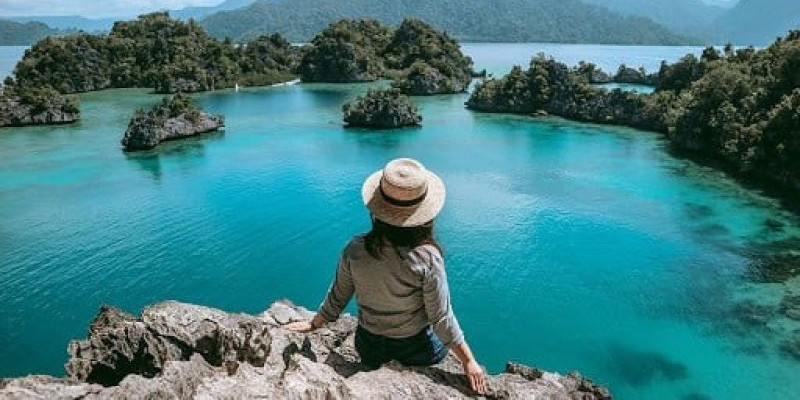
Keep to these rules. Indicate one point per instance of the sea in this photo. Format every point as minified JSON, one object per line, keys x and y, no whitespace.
{"x":569,"y":246}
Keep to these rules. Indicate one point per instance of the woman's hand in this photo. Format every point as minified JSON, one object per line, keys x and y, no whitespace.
{"x":474,"y":372}
{"x":307,"y":325}
{"x":477,"y":379}
{"x":300,"y":326}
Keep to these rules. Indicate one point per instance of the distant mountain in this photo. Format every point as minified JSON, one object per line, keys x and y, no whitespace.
{"x":758,"y":22}
{"x":687,"y":17}
{"x":14,"y":33}
{"x":202,"y":12}
{"x":77,"y":22}
{"x":70,"y":22}
{"x":565,"y":21}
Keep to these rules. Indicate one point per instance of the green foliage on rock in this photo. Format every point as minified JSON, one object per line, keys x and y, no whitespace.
{"x":740,"y":106}
{"x":346,"y":51}
{"x":175,"y":117}
{"x":153,"y":51}
{"x":430,"y":60}
{"x":36,"y":106}
{"x":381,"y":109}
{"x":423,"y":59}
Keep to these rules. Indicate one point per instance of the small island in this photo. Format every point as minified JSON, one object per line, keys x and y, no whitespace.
{"x":36,"y":106}
{"x":421,"y":59}
{"x":157,"y":52}
{"x":737,"y":106}
{"x":382,"y":109}
{"x":176,"y":117}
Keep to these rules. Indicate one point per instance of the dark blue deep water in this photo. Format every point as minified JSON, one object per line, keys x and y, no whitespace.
{"x":569,"y":246}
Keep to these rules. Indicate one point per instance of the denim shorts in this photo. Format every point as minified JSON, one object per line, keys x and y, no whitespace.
{"x":424,"y":348}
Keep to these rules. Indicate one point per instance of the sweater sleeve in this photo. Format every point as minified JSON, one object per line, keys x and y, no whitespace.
{"x":340,"y":292}
{"x":436,"y":295}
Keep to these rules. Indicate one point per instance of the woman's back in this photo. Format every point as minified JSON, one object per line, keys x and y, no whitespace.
{"x":389,"y":290}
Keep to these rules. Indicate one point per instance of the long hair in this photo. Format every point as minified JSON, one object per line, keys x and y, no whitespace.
{"x":409,"y":237}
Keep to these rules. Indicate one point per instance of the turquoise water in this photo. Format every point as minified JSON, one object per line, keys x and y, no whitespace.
{"x":627,"y":87}
{"x":497,"y":58}
{"x":569,"y":246}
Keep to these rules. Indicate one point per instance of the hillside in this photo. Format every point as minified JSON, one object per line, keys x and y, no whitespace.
{"x":77,"y":22}
{"x":23,"y":34}
{"x":202,"y":12}
{"x":566,"y":21}
{"x":69,"y":22}
{"x":688,"y":17}
{"x":758,"y":22}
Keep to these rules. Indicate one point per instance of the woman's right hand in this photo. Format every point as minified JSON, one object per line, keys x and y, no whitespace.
{"x":300,"y":326}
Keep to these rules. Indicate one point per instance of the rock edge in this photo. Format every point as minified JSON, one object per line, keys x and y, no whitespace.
{"x":178,"y":350}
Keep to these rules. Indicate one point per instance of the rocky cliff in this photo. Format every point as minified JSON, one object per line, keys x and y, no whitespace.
{"x":177,"y":350}
{"x":175,"y":118}
{"x":381,"y":109}
{"x":41,"y":108}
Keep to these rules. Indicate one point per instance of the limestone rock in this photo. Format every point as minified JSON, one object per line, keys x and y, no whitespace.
{"x":182,"y":351}
{"x":381,"y":109}
{"x":15,"y":112}
{"x":175,"y":118}
{"x":423,"y":79}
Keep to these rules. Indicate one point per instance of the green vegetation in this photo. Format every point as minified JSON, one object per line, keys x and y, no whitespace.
{"x":24,"y":34}
{"x":563,"y":21}
{"x":424,"y":60}
{"x":742,"y":107}
{"x":33,"y":106}
{"x":381,"y":109}
{"x":346,"y":51}
{"x":157,"y":52}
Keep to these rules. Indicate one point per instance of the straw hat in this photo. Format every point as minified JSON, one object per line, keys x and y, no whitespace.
{"x":404,"y":193}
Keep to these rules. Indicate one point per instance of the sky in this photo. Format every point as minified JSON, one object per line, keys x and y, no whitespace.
{"x":94,"y":8}
{"x":102,"y":8}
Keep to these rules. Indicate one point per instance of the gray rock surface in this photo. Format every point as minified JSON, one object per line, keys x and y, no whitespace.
{"x":145,"y":132}
{"x":15,"y":113}
{"x":182,"y":351}
{"x":381,"y":109}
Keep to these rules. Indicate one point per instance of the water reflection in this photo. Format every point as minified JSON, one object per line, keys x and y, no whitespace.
{"x":183,"y":151}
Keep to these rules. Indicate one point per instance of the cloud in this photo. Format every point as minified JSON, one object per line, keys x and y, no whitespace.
{"x":94,"y":8}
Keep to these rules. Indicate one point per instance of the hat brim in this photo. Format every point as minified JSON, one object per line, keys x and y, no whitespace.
{"x":415,"y":215}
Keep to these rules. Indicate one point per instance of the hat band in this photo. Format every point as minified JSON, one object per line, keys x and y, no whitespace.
{"x":402,"y":203}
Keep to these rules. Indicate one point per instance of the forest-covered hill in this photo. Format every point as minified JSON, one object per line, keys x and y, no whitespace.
{"x":688,"y":17}
{"x":14,"y":33}
{"x":565,"y":21}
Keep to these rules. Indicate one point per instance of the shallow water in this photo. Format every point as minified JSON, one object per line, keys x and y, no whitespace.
{"x":569,"y":246}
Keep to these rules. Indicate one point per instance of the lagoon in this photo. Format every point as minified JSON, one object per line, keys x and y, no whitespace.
{"x":568,"y":246}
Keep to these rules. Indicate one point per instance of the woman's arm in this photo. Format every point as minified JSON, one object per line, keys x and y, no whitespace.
{"x":339,"y":294}
{"x":307,"y":325}
{"x":474,"y":372}
{"x":436,"y":295}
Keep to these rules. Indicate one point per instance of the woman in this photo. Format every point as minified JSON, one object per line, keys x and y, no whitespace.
{"x":397,"y":274}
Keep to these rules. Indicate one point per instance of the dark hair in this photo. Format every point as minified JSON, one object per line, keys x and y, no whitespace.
{"x":410,"y":237}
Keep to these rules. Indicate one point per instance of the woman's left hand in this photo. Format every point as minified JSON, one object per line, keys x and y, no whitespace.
{"x":476,"y":377}
{"x":300,"y":326}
